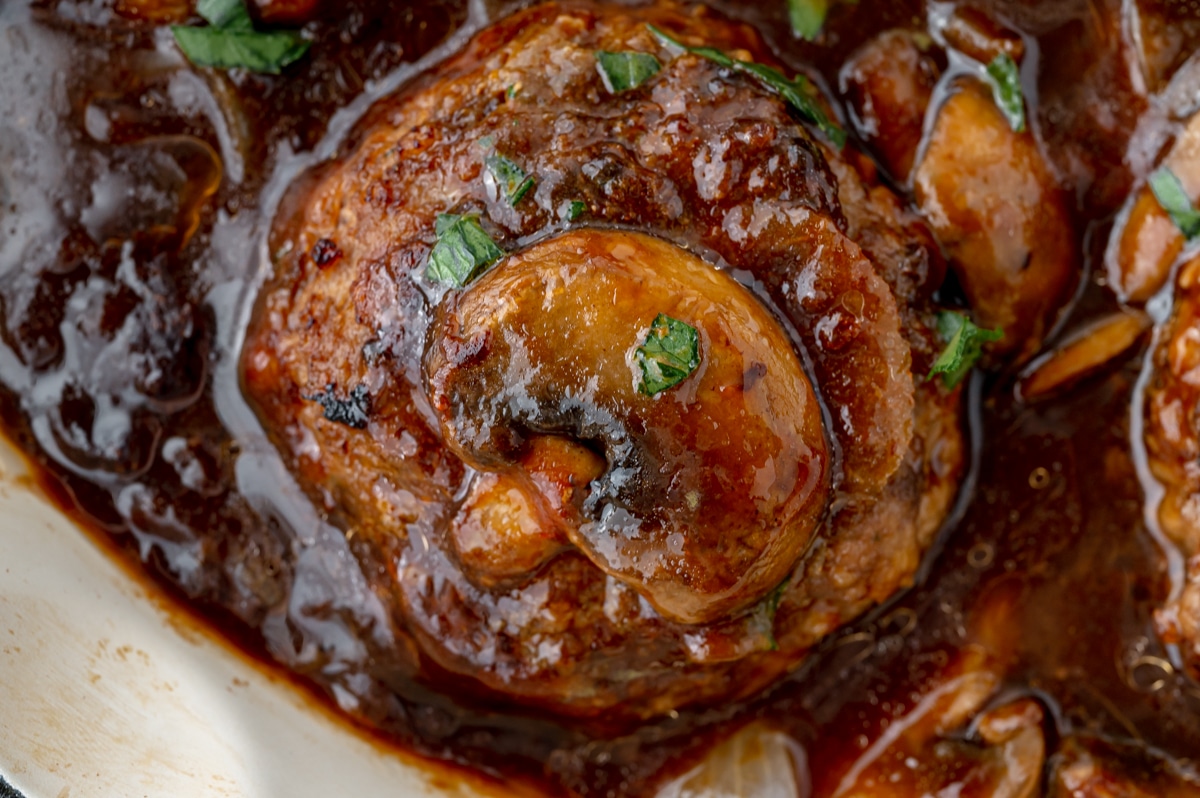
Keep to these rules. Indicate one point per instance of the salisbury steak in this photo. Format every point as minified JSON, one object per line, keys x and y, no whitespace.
{"x":540,"y":518}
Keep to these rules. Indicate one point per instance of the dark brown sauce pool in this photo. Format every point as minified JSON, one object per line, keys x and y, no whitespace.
{"x":118,"y":373}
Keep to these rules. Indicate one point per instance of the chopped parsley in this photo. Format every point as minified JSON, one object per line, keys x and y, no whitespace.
{"x":230,"y":40}
{"x":1006,"y":89}
{"x":575,"y":210}
{"x":626,"y":70}
{"x":669,"y":354}
{"x":513,"y":181}
{"x":463,"y":248}
{"x":228,"y":14}
{"x":796,"y":92}
{"x":760,"y":622}
{"x":353,"y":411}
{"x":808,"y":16}
{"x":1174,"y":200}
{"x":964,"y":346}
{"x":772,"y":609}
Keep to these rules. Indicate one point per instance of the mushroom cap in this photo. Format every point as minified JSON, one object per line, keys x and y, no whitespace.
{"x":714,"y":487}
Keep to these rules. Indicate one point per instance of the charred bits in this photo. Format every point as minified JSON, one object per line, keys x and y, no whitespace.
{"x":353,"y":411}
{"x":325,"y":253}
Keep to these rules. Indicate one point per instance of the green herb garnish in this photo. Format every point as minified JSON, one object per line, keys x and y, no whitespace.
{"x":964,"y":346}
{"x":669,"y":354}
{"x":1006,"y":89}
{"x":808,"y":16}
{"x":1174,"y":200}
{"x":513,"y":181}
{"x":626,"y":70}
{"x":228,"y":14}
{"x":575,"y":210}
{"x":796,"y":92}
{"x":463,"y":248}
{"x":772,"y":610}
{"x":230,"y":40}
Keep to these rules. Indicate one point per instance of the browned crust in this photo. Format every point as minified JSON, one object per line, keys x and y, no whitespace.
{"x":571,"y":639}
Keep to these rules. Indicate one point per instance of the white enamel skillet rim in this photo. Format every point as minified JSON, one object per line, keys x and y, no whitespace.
{"x":107,"y":691}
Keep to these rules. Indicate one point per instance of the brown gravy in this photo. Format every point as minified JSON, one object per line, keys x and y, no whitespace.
{"x":118,"y":376}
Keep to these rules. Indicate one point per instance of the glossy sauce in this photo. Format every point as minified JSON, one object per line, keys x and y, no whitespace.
{"x":119,"y":371}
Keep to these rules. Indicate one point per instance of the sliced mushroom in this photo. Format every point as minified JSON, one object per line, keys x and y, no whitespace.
{"x":923,"y":754}
{"x":889,"y":83}
{"x":713,"y":489}
{"x":1085,"y":354}
{"x":1004,"y":221}
{"x":975,"y":34}
{"x":955,"y":739}
{"x":1147,"y":242}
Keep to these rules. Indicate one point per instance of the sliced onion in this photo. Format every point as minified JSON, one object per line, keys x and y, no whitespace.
{"x":757,"y":761}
